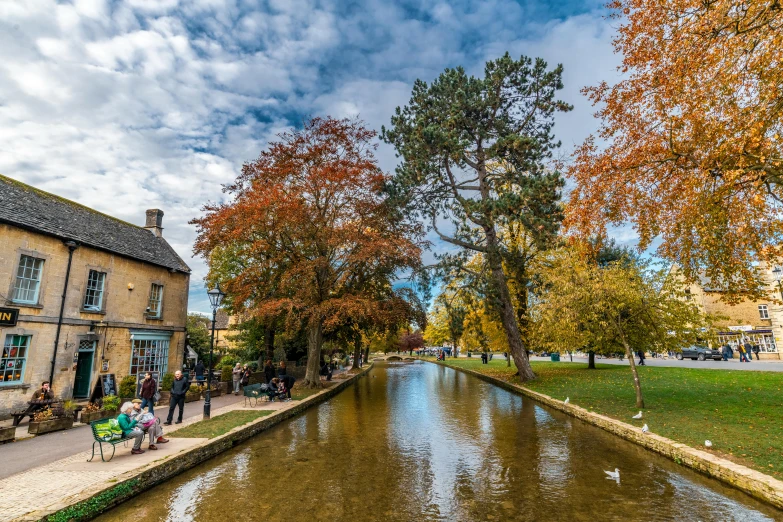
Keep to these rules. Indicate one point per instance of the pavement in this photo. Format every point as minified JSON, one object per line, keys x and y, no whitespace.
{"x":39,"y":450}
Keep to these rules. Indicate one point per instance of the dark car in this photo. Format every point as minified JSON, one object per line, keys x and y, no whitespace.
{"x":699,"y":353}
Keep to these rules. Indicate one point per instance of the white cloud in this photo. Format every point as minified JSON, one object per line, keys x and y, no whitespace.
{"x":135,"y":104}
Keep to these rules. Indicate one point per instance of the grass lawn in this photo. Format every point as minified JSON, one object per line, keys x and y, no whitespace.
{"x":298,"y":392}
{"x":741,"y":412}
{"x":216,"y":426}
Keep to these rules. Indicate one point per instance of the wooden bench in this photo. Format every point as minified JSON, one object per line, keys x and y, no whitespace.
{"x":21,"y":414}
{"x":101,"y":442}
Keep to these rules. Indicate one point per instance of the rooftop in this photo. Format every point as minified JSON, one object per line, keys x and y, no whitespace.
{"x":30,"y":208}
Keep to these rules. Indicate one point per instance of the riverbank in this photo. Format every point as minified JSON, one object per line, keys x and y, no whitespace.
{"x":685,"y":408}
{"x":79,"y":490}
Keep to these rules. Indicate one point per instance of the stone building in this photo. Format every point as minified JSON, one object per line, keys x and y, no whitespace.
{"x":92,"y":294}
{"x":747,"y":321}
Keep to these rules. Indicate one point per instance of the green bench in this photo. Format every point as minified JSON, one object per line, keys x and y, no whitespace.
{"x":100,"y":442}
{"x":253,"y":392}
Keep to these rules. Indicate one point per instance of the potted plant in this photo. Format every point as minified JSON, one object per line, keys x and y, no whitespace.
{"x":193,"y":394}
{"x":93,"y":411}
{"x":7,"y":434}
{"x":165,"y":388}
{"x":215,"y":390}
{"x":53,"y":418}
{"x":128,"y":388}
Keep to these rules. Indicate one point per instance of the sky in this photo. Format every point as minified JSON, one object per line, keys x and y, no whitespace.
{"x":135,"y":104}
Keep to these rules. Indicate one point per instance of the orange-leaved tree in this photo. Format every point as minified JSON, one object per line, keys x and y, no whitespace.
{"x":689,"y":148}
{"x":309,"y":235}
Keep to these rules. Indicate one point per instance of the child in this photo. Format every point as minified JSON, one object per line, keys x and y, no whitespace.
{"x":282,"y":392}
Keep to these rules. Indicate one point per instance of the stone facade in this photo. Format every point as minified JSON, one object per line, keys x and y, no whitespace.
{"x":122,"y":313}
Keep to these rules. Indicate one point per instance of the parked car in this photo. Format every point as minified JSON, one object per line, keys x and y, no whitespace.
{"x":699,"y":353}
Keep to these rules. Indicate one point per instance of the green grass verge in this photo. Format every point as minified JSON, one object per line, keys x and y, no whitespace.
{"x":216,"y":426}
{"x":298,"y":392}
{"x":739,"y":411}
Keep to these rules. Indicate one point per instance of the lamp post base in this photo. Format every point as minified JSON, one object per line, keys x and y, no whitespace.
{"x":207,"y":404}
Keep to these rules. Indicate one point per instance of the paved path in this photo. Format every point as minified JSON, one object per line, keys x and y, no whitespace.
{"x":36,"y":451}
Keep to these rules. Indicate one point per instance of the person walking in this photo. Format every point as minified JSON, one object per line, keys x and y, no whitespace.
{"x":640,"y":353}
{"x":725,"y":352}
{"x":281,"y":369}
{"x":756,"y":351}
{"x":179,"y":387}
{"x":200,"y":369}
{"x":129,"y":429}
{"x":236,"y":375}
{"x":149,"y":387}
{"x":269,"y":371}
{"x":744,"y":352}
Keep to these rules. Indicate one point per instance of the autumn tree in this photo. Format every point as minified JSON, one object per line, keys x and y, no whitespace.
{"x":411,"y":341}
{"x":197,"y":327}
{"x":689,"y":148}
{"x":474,"y":154}
{"x":304,"y":222}
{"x":619,"y":307}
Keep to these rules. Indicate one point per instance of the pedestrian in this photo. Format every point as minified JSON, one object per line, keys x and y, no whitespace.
{"x":129,"y":429}
{"x":179,"y":387}
{"x":281,"y":370}
{"x":725,"y":352}
{"x":149,"y":388}
{"x":745,"y":351}
{"x":269,"y":371}
{"x":199,"y":369}
{"x":236,"y":375}
{"x":326,"y":371}
{"x":756,"y":350}
{"x":640,"y":353}
{"x":246,"y":372}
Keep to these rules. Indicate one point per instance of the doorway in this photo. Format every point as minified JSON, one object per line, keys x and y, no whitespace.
{"x":81,"y":386}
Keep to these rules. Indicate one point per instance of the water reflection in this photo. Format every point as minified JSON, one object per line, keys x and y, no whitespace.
{"x":416,"y":441}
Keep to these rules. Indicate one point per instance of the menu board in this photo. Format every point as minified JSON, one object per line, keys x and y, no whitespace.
{"x":140,"y":378}
{"x":106,"y":385}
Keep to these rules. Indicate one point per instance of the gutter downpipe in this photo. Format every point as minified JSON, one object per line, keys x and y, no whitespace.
{"x":72,"y":245}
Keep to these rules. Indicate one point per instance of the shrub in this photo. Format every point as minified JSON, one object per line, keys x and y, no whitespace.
{"x":69,"y":406}
{"x":225,"y":374}
{"x":128,"y":386}
{"x":167,"y":381}
{"x":194,"y":388}
{"x":253,"y":365}
{"x":111,"y":402}
{"x":227,"y":361}
{"x":91,"y":407}
{"x":43,"y":415}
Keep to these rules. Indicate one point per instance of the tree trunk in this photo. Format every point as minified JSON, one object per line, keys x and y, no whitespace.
{"x":269,"y":341}
{"x":367,"y":354}
{"x":636,"y":383}
{"x":591,"y":360}
{"x":357,"y":351}
{"x":314,"y":341}
{"x":507,"y":315}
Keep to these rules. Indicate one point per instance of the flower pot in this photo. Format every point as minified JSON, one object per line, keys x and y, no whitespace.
{"x":192,"y":397}
{"x":215,"y":393}
{"x":41,"y":427}
{"x":224,"y":387}
{"x":92,"y":416}
{"x":7,"y":434}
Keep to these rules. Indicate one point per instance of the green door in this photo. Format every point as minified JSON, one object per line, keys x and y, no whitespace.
{"x":81,"y":387}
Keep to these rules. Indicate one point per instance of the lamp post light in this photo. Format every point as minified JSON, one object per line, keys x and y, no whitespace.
{"x":777,"y":273}
{"x":215,"y":298}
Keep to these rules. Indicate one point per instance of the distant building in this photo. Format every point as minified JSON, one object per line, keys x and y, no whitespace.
{"x":91,"y":295}
{"x":223,"y":322}
{"x":747,"y":321}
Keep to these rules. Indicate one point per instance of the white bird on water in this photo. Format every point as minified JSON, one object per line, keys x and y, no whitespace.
{"x":637,"y":416}
{"x":568,"y":399}
{"x":707,"y":443}
{"x":614,"y":475}
{"x":645,"y":429}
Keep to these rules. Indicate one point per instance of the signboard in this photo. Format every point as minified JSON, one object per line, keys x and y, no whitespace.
{"x":8,"y":316}
{"x":743,"y":328}
{"x":105,"y":385}
{"x":140,"y":378}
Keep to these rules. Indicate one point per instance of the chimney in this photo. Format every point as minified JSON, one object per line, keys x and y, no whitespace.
{"x":155,"y":221}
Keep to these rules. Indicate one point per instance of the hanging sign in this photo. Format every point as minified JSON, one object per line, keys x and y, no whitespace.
{"x":8,"y":316}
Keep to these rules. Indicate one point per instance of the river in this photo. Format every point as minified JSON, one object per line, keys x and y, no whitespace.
{"x":421,"y":442}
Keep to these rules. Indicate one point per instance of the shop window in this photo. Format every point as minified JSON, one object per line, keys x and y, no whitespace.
{"x":13,"y":358}
{"x":28,"y":280}
{"x":149,"y":355}
{"x":93,"y":297}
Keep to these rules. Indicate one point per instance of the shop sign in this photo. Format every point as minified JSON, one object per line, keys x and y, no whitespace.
{"x":8,"y":316}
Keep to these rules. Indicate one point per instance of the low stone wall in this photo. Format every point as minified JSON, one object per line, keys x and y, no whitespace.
{"x":752,"y":482}
{"x":137,"y":481}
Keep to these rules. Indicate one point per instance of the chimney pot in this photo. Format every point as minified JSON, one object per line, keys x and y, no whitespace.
{"x":155,"y":221}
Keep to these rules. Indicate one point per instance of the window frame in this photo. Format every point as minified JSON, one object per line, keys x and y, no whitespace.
{"x":156,"y":347}
{"x":39,"y":281}
{"x":765,"y":308}
{"x":159,"y":313}
{"x":102,"y":298}
{"x":16,"y":358}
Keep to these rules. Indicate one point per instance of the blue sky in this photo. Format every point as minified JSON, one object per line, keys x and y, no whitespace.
{"x":136,"y":104}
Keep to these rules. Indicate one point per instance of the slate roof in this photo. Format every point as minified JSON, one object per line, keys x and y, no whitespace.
{"x":221,"y":320}
{"x":33,"y":209}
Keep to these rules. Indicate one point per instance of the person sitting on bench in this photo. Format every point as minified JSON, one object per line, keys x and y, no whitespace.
{"x":272,"y":390}
{"x":130,"y":430}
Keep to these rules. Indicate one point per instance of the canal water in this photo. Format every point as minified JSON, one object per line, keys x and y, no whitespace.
{"x":421,"y":442}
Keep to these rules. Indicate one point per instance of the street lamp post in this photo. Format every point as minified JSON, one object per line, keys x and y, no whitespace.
{"x":215,"y":298}
{"x":777,"y":273}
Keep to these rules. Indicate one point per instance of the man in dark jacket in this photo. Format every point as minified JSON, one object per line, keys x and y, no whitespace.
{"x":269,"y":371}
{"x":178,"y":390}
{"x":199,"y":369}
{"x":149,"y":387}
